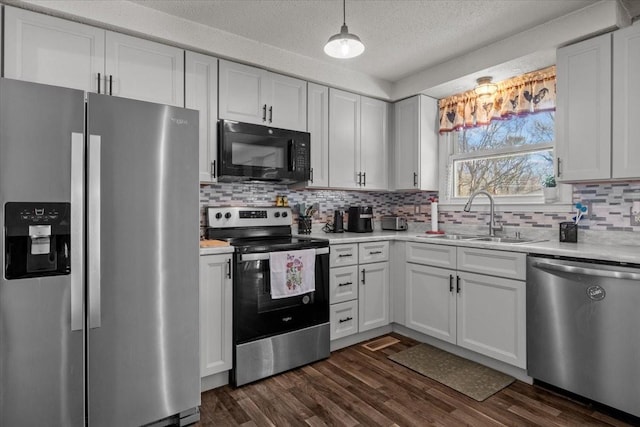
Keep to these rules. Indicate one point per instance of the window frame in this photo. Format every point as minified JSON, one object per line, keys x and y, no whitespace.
{"x":447,"y":143}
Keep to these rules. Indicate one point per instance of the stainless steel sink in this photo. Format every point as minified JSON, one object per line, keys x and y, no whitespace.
{"x":505,"y":240}
{"x":449,"y":236}
{"x":476,"y":238}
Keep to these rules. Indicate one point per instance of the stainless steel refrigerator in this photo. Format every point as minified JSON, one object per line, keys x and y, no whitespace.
{"x":99,"y":291}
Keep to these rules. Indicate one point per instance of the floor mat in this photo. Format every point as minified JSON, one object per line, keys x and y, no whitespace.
{"x":467,"y":377}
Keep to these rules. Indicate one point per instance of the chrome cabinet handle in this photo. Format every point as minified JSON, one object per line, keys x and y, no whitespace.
{"x":77,"y":229}
{"x":346,"y":319}
{"x":271,"y":114}
{"x":94,"y":231}
{"x":345,"y":284}
{"x":264,"y":113}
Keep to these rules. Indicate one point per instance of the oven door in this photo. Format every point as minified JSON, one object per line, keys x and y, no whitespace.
{"x":256,"y":315}
{"x":249,"y":151}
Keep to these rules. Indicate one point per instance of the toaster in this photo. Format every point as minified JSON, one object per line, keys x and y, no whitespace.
{"x":393,"y":222}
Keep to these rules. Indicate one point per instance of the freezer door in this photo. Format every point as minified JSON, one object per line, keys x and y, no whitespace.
{"x":142,"y":239}
{"x":41,"y":356}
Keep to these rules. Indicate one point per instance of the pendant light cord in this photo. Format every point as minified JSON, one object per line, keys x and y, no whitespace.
{"x":344,"y":12}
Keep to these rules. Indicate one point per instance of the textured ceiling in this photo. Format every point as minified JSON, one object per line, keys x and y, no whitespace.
{"x":401,"y":37}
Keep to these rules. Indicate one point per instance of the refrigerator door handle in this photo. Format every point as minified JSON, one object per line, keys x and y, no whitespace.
{"x":93,"y":248}
{"x":77,"y":229}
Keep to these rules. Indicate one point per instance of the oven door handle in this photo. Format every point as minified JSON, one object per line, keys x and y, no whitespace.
{"x":265,"y":255}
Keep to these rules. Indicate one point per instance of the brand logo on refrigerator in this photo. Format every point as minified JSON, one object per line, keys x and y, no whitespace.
{"x":179,"y":121}
{"x":596,"y":293}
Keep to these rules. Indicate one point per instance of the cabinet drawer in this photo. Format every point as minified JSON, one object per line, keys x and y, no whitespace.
{"x":344,"y":319}
{"x":512,"y":265}
{"x":373,"y":252}
{"x":434,"y":255}
{"x":343,"y":284}
{"x":346,"y":254}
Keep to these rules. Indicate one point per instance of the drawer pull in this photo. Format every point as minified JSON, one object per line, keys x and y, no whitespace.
{"x":346,"y":319}
{"x":345,"y":284}
{"x":344,"y":255}
{"x":375,"y":253}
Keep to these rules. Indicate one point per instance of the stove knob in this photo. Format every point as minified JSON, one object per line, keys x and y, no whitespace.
{"x":218,"y":215}
{"x":277,"y":214}
{"x":284,"y":214}
{"x":227,"y":215}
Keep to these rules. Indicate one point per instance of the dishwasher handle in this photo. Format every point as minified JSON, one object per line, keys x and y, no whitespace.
{"x":625,"y":275}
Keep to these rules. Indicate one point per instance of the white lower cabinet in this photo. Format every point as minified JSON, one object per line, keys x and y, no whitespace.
{"x":215,"y":314}
{"x":480,"y":312}
{"x":359,"y":291}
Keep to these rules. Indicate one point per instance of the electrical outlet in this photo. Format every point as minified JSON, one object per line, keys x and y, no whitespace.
{"x":635,"y":217}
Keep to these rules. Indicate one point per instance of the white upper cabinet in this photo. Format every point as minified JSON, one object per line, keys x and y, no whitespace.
{"x":253,"y":95}
{"x":144,"y":70}
{"x":626,"y":103}
{"x":416,"y":144}
{"x":583,"y":112}
{"x":374,"y":143}
{"x":44,"y":49}
{"x":358,"y":141}
{"x":201,"y":93}
{"x":344,"y":139}
{"x":318,"y":127}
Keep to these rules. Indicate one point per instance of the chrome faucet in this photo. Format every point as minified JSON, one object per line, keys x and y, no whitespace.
{"x":493,"y":227}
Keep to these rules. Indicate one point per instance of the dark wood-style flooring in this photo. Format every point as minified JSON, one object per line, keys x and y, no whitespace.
{"x":358,"y":387}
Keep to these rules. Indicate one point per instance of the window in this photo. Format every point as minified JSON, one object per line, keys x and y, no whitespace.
{"x":509,"y":158}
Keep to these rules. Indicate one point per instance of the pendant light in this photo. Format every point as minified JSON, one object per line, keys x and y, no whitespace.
{"x":485,"y":87}
{"x":344,"y":45}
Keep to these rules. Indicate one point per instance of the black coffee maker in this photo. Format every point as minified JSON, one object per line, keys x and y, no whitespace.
{"x":360,"y":219}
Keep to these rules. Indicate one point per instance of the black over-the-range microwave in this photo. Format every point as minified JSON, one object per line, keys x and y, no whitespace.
{"x":248,"y":152}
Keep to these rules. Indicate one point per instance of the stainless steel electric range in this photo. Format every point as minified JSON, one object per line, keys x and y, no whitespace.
{"x":271,"y":335}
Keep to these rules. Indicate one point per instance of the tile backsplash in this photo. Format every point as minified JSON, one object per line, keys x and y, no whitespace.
{"x":610,"y":205}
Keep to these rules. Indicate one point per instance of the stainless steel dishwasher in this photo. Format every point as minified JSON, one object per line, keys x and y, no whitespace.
{"x":583,"y":329}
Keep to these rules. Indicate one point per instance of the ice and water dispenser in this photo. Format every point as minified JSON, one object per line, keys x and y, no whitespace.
{"x":37,"y":239}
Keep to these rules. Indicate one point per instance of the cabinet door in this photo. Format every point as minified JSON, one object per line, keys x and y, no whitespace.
{"x":431,"y":301}
{"x":373,"y":296}
{"x":242,"y":96}
{"x":287,"y":102}
{"x":344,"y":139}
{"x":583,"y":110}
{"x":215,"y":314}
{"x":43,"y":49}
{"x":144,"y":70}
{"x":406,"y":143}
{"x":201,"y":93}
{"x":373,"y":148}
{"x":318,"y":126}
{"x":343,"y":284}
{"x":491,"y":317}
{"x":626,"y":105}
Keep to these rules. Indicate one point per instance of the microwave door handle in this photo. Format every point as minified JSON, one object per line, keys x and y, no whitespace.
{"x":292,"y":155}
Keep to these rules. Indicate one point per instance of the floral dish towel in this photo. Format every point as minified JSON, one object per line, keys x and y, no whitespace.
{"x":292,"y":273}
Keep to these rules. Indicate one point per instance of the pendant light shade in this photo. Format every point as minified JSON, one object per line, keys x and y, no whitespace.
{"x":485,"y":87}
{"x":344,"y":45}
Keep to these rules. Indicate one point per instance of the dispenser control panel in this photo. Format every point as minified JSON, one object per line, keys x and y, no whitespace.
{"x":37,"y":239}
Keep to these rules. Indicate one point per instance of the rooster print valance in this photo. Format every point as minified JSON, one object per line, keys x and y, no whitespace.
{"x":525,"y":94}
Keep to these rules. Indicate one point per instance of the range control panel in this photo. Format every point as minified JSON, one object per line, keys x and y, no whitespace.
{"x":248,"y":217}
